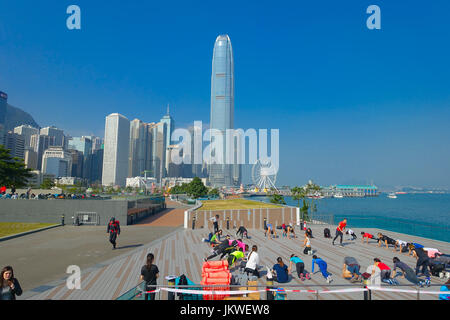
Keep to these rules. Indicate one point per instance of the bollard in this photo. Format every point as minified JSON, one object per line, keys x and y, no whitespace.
{"x":62,"y":220}
{"x":269,"y":284}
{"x":228,"y":223}
{"x":193,"y":223}
{"x":171,"y":295}
{"x":367,"y":294}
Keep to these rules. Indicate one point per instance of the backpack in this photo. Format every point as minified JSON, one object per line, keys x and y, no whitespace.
{"x":327,"y":233}
{"x":436,"y":269}
{"x":182,"y":282}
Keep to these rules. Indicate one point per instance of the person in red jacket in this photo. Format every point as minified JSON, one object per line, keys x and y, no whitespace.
{"x":113,"y":230}
{"x":340,"y":230}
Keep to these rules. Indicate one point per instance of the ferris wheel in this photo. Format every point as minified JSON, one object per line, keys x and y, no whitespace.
{"x":263,"y":175}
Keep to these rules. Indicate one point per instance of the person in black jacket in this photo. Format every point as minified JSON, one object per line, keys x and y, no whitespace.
{"x":222,"y":248}
{"x":113,"y":230}
{"x":9,"y":286}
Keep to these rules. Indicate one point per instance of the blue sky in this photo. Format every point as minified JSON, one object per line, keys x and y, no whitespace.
{"x":352,"y":104}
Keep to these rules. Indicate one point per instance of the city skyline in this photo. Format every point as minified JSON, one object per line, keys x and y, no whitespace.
{"x":352,"y":104}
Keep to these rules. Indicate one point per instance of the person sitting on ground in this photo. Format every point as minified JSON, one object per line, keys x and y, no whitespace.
{"x":407,"y":272}
{"x":351,"y":265}
{"x":366,"y":236}
{"x":242,"y":231}
{"x":307,"y":244}
{"x":322,"y":266}
{"x":281,"y":271}
{"x":299,"y":266}
{"x":401,"y":244}
{"x":445,"y":287}
{"x":252,"y":262}
{"x":387,"y":240}
{"x":214,"y":239}
{"x":385,"y":271}
{"x":351,"y":233}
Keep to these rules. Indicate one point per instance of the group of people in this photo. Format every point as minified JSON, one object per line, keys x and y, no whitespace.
{"x":14,"y":195}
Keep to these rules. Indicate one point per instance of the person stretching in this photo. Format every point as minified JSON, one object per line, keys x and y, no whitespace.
{"x":323,"y":268}
{"x":407,"y":272}
{"x":220,"y":248}
{"x":234,"y":257}
{"x":351,"y":265}
{"x":307,"y":244}
{"x":242,"y":231}
{"x":387,"y":240}
{"x":385,"y":271}
{"x":366,"y":236}
{"x":351,"y":233}
{"x":340,"y":230}
{"x":401,"y":245}
{"x":422,"y":261}
{"x":299,"y":266}
{"x":281,"y":273}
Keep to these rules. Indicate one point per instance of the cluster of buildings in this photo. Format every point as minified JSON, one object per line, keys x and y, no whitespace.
{"x":132,"y":152}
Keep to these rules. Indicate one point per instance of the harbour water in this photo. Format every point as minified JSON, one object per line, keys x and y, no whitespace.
{"x":425,"y":215}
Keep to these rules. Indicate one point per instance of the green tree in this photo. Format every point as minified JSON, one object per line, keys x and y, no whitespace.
{"x":12,"y":170}
{"x":214,"y":192}
{"x":277,"y":198}
{"x":301,"y":193}
{"x":196,"y":188}
{"x":47,"y":184}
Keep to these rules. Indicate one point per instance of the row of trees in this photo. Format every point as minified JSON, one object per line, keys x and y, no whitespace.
{"x":301,"y":194}
{"x":195,"y":189}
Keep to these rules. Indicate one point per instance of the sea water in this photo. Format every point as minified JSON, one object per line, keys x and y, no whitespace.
{"x":425,"y":215}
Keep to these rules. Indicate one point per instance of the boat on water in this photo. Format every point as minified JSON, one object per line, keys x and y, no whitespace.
{"x":338,"y":195}
{"x":392,"y":196}
{"x":400,"y":192}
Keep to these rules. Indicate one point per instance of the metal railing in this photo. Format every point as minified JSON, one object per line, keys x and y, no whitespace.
{"x":271,"y":290}
{"x":89,"y":218}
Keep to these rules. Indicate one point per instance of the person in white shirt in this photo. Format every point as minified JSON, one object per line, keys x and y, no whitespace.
{"x":400,"y":244}
{"x":252,"y":262}
{"x":351,"y":233}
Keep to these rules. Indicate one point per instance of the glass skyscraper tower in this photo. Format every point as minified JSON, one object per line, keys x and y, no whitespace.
{"x":222,"y":109}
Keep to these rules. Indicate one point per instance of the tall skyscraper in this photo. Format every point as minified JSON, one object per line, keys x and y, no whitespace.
{"x":3,"y":102}
{"x":116,"y":150}
{"x":222,"y":108}
{"x":15,"y":143}
{"x":168,"y":122}
{"x":158,"y":156}
{"x":57,"y":162}
{"x":82,"y":144}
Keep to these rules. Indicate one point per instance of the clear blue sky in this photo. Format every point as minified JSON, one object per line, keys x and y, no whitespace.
{"x":352,"y":104}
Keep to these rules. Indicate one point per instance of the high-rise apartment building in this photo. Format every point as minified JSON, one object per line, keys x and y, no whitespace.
{"x":26,"y":131}
{"x":56,"y":161}
{"x":60,"y":138}
{"x":169,"y":124}
{"x":116,"y":150}
{"x":16,"y":144}
{"x":3,"y":103}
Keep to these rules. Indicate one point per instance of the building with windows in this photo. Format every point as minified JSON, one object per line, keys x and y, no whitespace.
{"x":15,"y":143}
{"x":26,"y":131}
{"x":222,"y":112}
{"x":116,"y":150}
{"x":3,"y":103}
{"x":57,"y":161}
{"x":60,"y":139}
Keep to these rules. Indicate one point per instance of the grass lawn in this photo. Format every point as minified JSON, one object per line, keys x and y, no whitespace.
{"x":10,"y":228}
{"x":234,"y":204}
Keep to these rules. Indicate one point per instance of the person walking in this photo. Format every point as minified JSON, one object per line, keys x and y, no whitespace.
{"x":407,"y":272}
{"x":252,"y":262}
{"x":9,"y":285}
{"x":299,"y":266}
{"x":149,"y":274}
{"x":113,"y":230}
{"x":322,"y":266}
{"x":340,"y":231}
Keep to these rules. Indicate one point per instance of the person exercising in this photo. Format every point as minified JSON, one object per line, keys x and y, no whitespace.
{"x":113,"y":230}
